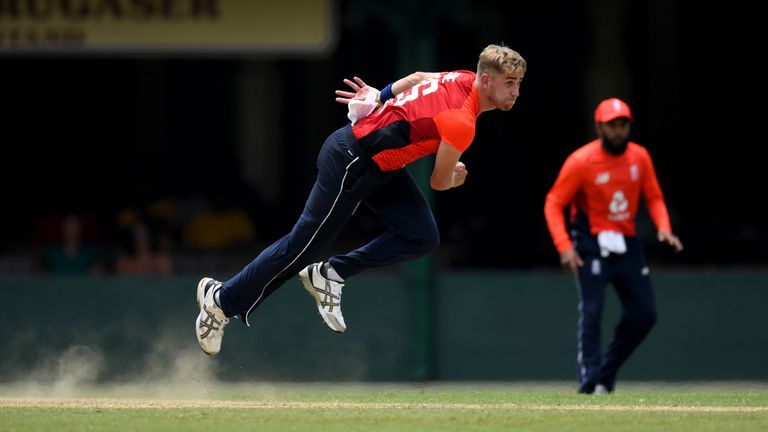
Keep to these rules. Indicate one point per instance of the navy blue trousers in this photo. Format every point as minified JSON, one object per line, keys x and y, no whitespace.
{"x":629,"y":275}
{"x":346,"y":178}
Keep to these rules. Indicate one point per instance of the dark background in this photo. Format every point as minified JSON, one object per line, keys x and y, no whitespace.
{"x":98,"y":133}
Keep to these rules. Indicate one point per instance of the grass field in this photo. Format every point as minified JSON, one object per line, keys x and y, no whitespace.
{"x":737,"y":406}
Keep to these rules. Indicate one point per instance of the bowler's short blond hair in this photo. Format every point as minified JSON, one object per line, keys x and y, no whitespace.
{"x":501,"y":59}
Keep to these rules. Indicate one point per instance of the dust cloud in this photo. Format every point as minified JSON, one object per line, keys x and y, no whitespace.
{"x":171,"y":368}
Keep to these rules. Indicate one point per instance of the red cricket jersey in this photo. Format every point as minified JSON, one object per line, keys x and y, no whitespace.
{"x":607,"y":188}
{"x":412,"y":125}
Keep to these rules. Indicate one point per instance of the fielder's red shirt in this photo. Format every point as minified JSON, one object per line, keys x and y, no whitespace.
{"x":411,"y":126}
{"x":607,"y":188}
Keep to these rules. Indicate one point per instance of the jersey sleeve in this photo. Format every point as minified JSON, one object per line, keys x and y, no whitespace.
{"x":654,"y":198}
{"x":456,"y":127}
{"x":559,"y":197}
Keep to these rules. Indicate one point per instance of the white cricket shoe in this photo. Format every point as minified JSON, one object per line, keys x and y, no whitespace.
{"x":211,"y":320}
{"x":601,"y":390}
{"x":327,"y":295}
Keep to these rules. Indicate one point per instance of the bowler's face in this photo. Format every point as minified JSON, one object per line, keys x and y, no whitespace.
{"x":504,"y":89}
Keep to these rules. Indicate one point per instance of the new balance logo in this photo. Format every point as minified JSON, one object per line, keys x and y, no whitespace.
{"x":602,"y":178}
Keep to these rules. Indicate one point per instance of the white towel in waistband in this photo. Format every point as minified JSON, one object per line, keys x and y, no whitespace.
{"x":611,"y":242}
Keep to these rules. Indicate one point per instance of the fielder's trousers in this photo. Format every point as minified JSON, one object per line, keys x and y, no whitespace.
{"x":629,"y":275}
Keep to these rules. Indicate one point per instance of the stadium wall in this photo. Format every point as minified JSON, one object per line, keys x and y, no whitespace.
{"x":487,"y":326}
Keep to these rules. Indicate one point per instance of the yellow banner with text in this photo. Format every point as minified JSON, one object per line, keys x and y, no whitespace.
{"x":166,"y":26}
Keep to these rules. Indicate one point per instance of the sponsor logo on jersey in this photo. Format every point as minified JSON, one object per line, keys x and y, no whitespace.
{"x":618,"y":207}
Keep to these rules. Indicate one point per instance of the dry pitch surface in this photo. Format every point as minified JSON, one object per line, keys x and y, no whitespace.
{"x":478,"y":396}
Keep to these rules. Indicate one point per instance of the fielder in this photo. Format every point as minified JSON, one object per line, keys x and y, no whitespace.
{"x":601,"y":184}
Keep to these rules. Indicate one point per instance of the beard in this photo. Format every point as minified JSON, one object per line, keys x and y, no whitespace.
{"x":615,"y":147}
